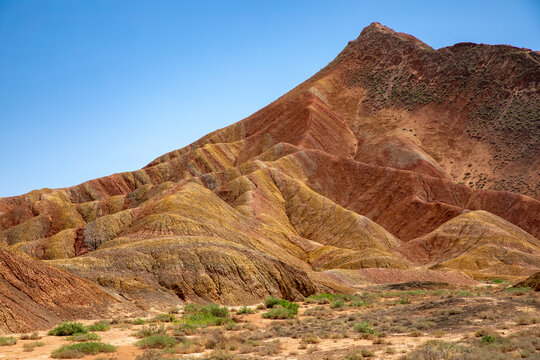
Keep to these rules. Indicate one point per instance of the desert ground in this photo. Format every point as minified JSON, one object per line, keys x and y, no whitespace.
{"x":416,"y":320}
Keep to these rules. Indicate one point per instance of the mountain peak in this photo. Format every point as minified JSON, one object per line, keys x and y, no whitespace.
{"x":379,"y":32}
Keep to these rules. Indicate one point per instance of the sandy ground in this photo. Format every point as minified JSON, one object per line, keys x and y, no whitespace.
{"x":390,"y":347}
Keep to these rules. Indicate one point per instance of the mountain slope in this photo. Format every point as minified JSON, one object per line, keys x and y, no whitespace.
{"x":34,"y":295}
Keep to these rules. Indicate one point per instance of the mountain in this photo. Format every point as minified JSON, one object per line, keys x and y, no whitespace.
{"x":396,"y":162}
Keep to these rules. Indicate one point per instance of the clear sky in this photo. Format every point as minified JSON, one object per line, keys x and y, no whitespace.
{"x":90,"y":88}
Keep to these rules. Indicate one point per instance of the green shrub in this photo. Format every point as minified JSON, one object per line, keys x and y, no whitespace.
{"x":337,"y":304}
{"x":85,"y":337}
{"x":68,"y":328}
{"x":99,"y":326}
{"x":156,"y":342}
{"x":517,"y":289}
{"x":497,"y":281}
{"x":150,"y":331}
{"x":404,"y":301}
{"x":272,"y":302}
{"x":488,"y":339}
{"x":76,"y":351}
{"x":357,"y":303}
{"x":277,"y":312}
{"x":163,"y":318}
{"x":7,"y":340}
{"x":245,"y":310}
{"x":207,"y":315}
{"x":364,"y":327}
{"x":138,"y":321}
{"x":327,"y":297}
{"x":211,"y":309}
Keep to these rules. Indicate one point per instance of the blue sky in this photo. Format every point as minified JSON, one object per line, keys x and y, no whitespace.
{"x":90,"y":88}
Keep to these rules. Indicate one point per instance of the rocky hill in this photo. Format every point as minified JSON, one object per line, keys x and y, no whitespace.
{"x":396,"y":162}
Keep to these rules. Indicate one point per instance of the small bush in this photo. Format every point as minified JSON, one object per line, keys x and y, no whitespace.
{"x":85,"y":337}
{"x":156,"y":342}
{"x":278,"y":312}
{"x":464,"y":293}
{"x":7,"y":340}
{"x":310,"y":339}
{"x":357,"y":303}
{"x":185,"y":329}
{"x":517,"y":290}
{"x":497,"y":281}
{"x":245,"y":310}
{"x":163,"y":318}
{"x":208,"y":315}
{"x":364,"y":327}
{"x":366,"y":353}
{"x":68,"y":328}
{"x":76,"y":351}
{"x":138,"y":321}
{"x":149,"y":331}
{"x":488,"y":339}
{"x":99,"y":326}
{"x":32,"y":345}
{"x":150,"y":355}
{"x":212,"y":309}
{"x":404,"y":301}
{"x":32,"y":336}
{"x":337,"y":304}
{"x":272,"y":302}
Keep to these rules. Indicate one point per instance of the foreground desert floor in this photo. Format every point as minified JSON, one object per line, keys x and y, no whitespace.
{"x":404,"y":321}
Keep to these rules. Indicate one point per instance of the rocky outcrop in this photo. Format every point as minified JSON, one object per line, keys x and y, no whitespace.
{"x":532,"y":282}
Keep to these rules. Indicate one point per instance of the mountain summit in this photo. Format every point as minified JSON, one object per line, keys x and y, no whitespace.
{"x":396,"y":162}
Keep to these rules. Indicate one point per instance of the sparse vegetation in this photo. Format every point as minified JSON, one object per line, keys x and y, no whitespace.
{"x":279,"y":308}
{"x":99,"y":326}
{"x":84,"y":337}
{"x":150,"y":331}
{"x":207,"y":315}
{"x":76,"y":351}
{"x":32,"y":336}
{"x":364,"y":327}
{"x":435,"y":314}
{"x":32,"y":345}
{"x":138,"y":321}
{"x":163,"y":318}
{"x":245,"y":310}
{"x":7,"y":340}
{"x":156,"y":342}
{"x":68,"y":328}
{"x":277,"y":312}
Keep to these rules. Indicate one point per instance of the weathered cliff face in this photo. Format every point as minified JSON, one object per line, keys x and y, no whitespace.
{"x":394,"y":162}
{"x":35,"y":295}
